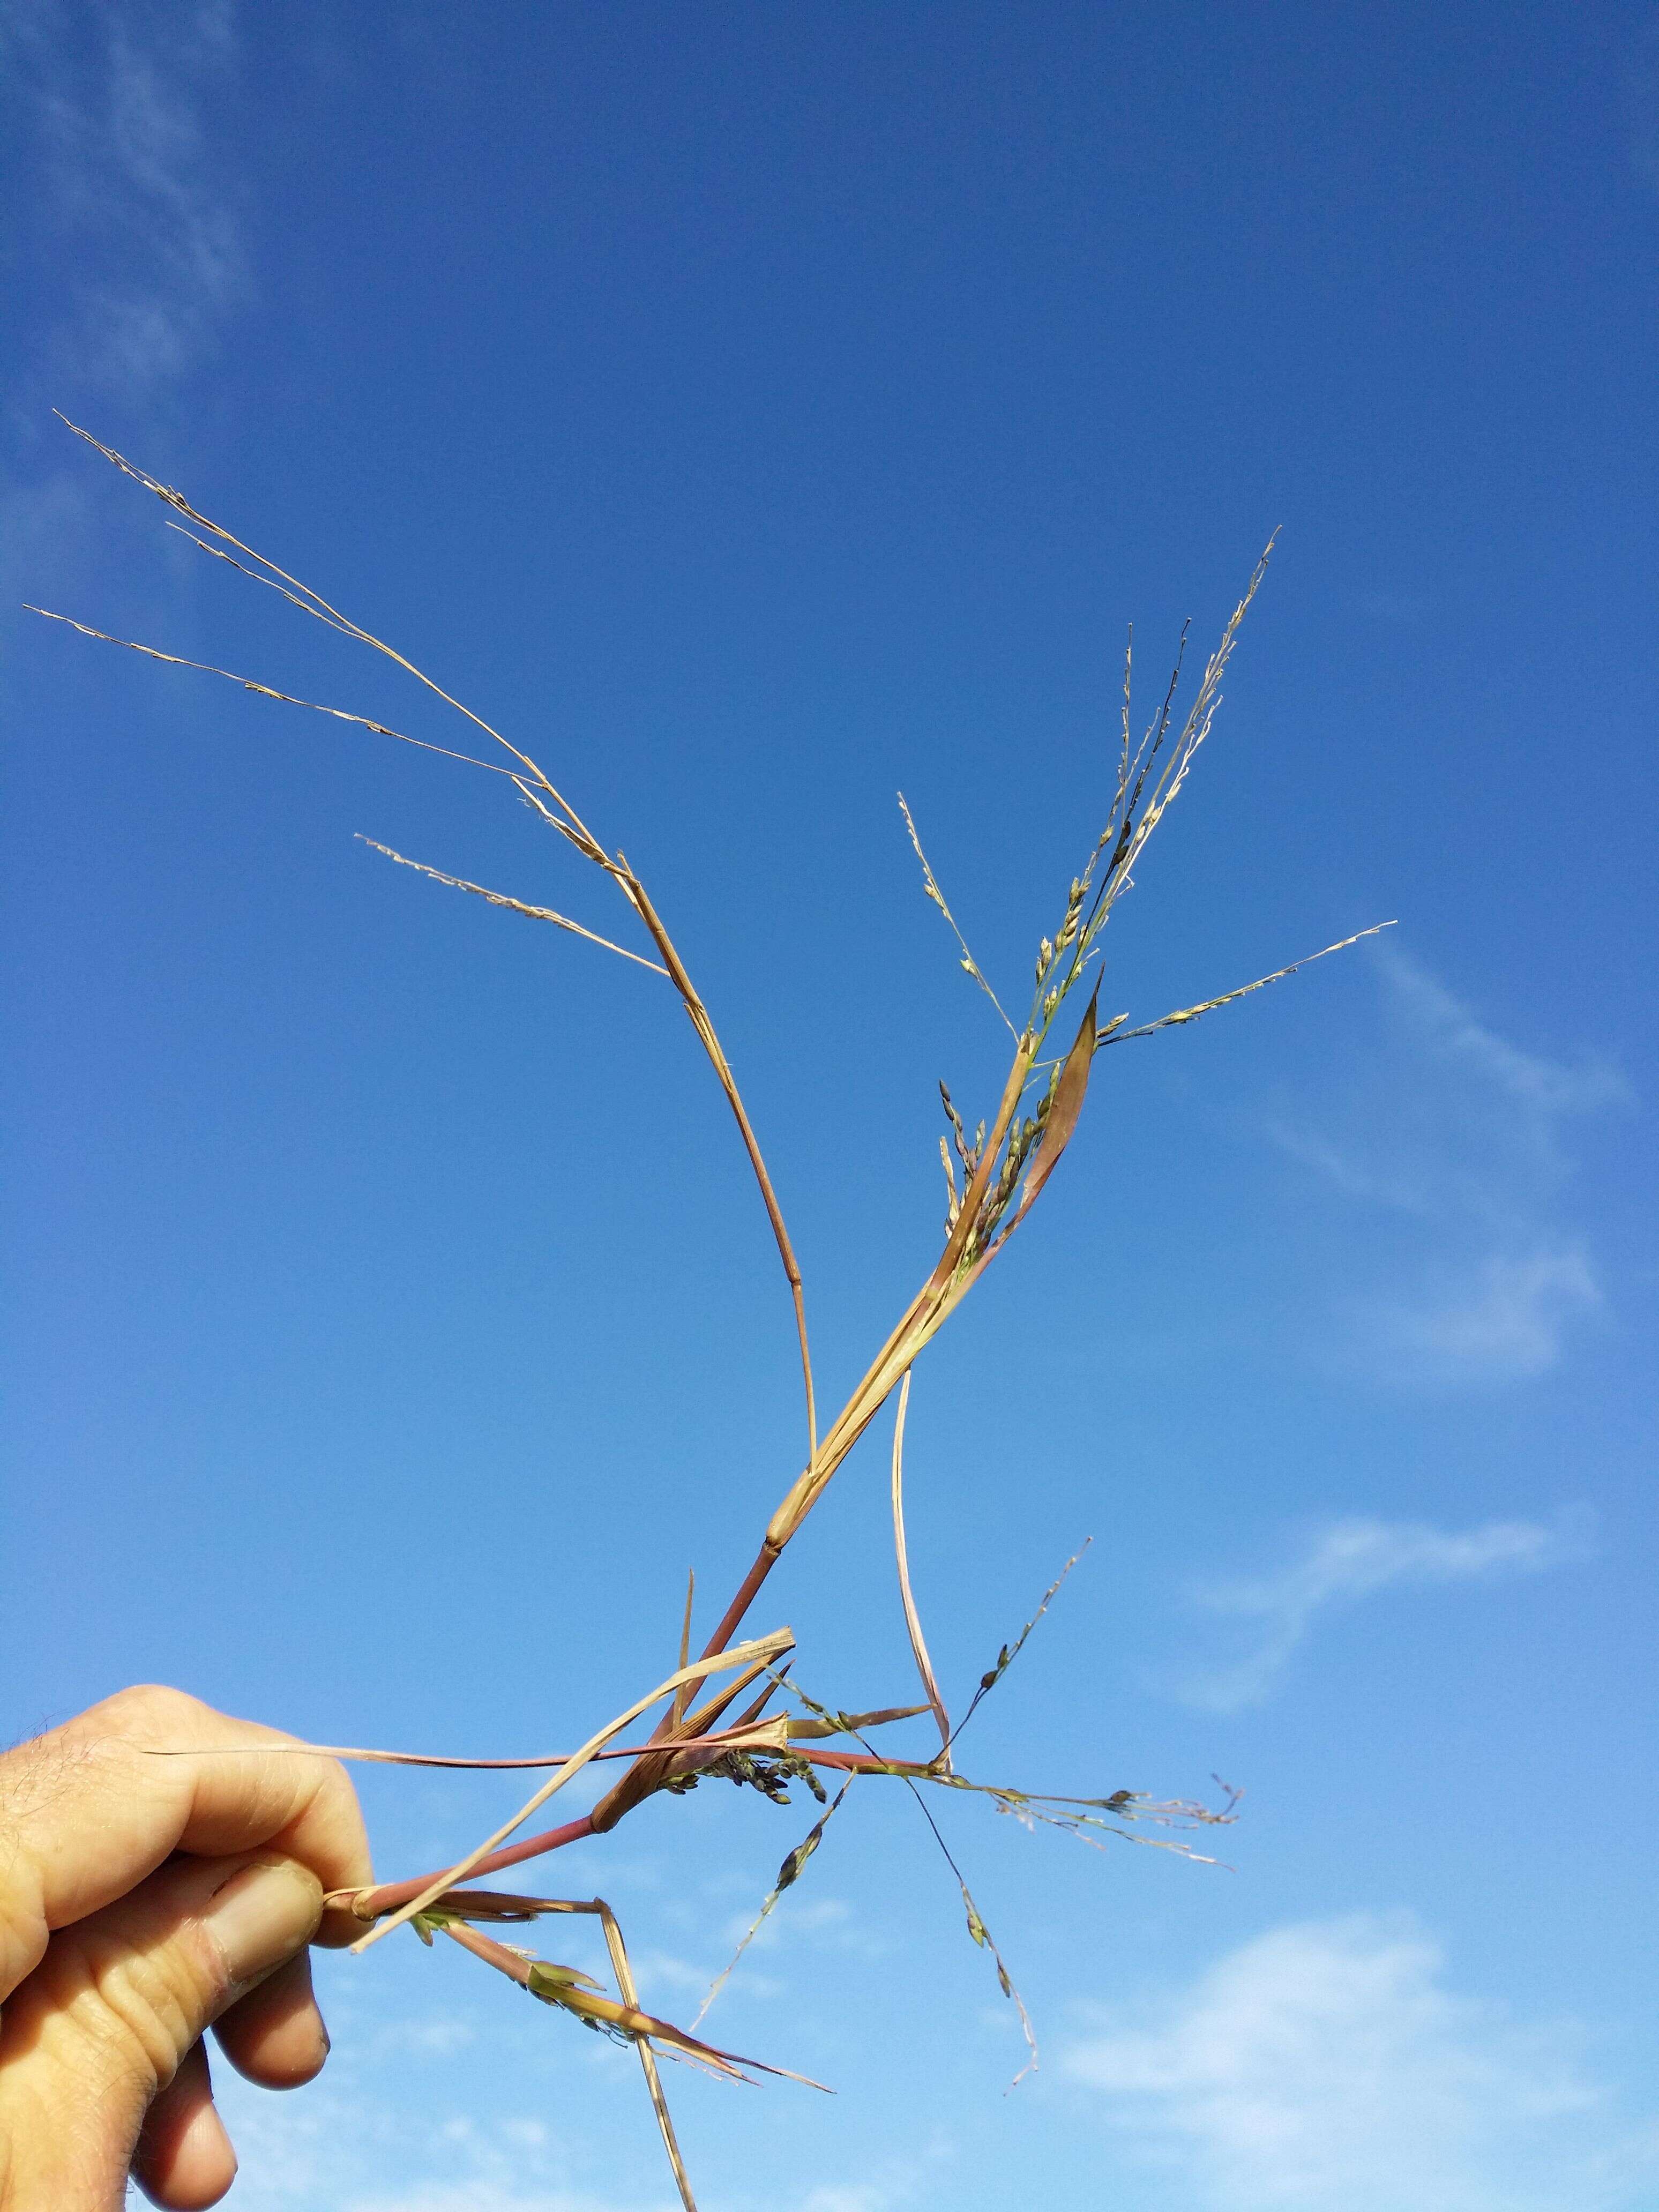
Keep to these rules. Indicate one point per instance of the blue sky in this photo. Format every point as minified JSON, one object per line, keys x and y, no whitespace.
{"x":755,"y":411}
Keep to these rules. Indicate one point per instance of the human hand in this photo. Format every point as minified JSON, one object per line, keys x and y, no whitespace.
{"x":142,"y":1900}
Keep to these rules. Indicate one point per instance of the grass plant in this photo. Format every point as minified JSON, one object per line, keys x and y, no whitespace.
{"x":780,"y":1736}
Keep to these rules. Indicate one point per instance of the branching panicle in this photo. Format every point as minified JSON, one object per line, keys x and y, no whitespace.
{"x":1004,"y":1168}
{"x":769,"y":1772}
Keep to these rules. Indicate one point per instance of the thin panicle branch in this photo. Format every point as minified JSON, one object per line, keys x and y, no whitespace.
{"x":1123,"y":757}
{"x":1010,"y":1652}
{"x":971,"y":966}
{"x":535,"y":786}
{"x":264,"y":690}
{"x":517,"y":906}
{"x":788,"y":1874}
{"x":1157,"y":730}
{"x":313,"y":602}
{"x":1208,"y":1005}
{"x":910,"y":1776}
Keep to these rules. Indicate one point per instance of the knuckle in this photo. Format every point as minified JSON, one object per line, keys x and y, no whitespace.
{"x":22,"y":1920}
{"x":143,"y":2008}
{"x":147,"y":1706}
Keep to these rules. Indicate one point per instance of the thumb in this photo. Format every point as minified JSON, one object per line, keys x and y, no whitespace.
{"x":117,"y":2004}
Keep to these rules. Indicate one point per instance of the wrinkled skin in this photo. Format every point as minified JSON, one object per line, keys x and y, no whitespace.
{"x":144,"y":1899}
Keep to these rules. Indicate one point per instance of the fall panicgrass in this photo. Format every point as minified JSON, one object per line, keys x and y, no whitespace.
{"x":993,"y":1178}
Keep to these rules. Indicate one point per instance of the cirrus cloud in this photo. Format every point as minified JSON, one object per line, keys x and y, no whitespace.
{"x":1459,"y":1135}
{"x":1352,"y":1559}
{"x":1327,"y":2067}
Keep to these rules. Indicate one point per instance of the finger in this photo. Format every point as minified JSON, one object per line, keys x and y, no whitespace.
{"x":93,"y":1807}
{"x":114,"y":2008}
{"x":275,"y":2035}
{"x":184,"y":2159}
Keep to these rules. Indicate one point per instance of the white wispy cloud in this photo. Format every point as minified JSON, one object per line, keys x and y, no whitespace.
{"x":383,"y":2132}
{"x":914,"y":2175}
{"x":847,"y":2197}
{"x":493,"y":2197}
{"x":128,"y":262}
{"x":886,"y":2193}
{"x":1347,"y":1561}
{"x":435,"y":2035}
{"x":1506,"y":1316}
{"x":814,"y":1923}
{"x":128,"y":257}
{"x":1327,"y":2067}
{"x":137,"y":251}
{"x":367,"y":2142}
{"x":1545,"y":1089}
{"x":1458,"y":1133}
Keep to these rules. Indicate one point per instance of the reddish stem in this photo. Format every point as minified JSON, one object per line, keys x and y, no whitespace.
{"x":859,"y":1762}
{"x":492,"y":1953}
{"x":370,"y":1904}
{"x":765,"y":1560}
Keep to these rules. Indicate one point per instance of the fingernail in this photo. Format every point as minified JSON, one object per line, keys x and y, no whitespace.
{"x":262,"y":1916}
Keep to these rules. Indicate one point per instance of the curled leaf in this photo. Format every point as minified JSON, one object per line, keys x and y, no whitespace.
{"x":552,"y":1983}
{"x":1069,"y":1095}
